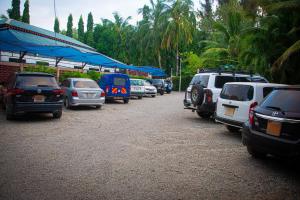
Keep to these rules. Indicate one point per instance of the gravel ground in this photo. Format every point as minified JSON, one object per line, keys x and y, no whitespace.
{"x":148,"y":149}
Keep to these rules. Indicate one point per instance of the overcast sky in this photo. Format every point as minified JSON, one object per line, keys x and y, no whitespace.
{"x":42,"y":11}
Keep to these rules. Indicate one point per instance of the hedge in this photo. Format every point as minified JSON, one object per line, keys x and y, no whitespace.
{"x":185,"y":81}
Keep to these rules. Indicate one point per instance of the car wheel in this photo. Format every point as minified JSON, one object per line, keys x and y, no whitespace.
{"x":233,"y":129}
{"x":57,"y":114}
{"x":255,"y":153}
{"x":140,"y":97}
{"x":126,"y":101}
{"x":67,"y":103}
{"x":197,"y":95}
{"x":161,"y":92}
{"x":98,"y":107}
{"x":204,"y":115}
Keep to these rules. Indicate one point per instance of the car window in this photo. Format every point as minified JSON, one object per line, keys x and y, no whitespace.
{"x":24,"y":81}
{"x":286,"y":100}
{"x":200,"y":79}
{"x":146,"y":83}
{"x":84,"y":84}
{"x":119,"y":81}
{"x":267,"y":91}
{"x":237,"y":92}
{"x":136,"y":82}
{"x":221,"y":80}
{"x":157,"y":81}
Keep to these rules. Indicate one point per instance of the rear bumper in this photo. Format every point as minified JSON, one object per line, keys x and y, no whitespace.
{"x":229,"y":122}
{"x":269,"y":144}
{"x":137,"y":94}
{"x":87,"y":102}
{"x":20,"y":108}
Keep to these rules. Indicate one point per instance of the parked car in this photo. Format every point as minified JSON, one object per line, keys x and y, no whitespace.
{"x":160,"y":85}
{"x":2,"y":91}
{"x":32,"y":93}
{"x":168,"y":86}
{"x":115,"y":86}
{"x":150,"y":90}
{"x":206,"y":86}
{"x":82,"y":92}
{"x":273,"y":126}
{"x":236,"y":99}
{"x":137,"y":88}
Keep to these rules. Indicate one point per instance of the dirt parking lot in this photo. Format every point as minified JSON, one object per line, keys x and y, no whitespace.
{"x":148,"y":149}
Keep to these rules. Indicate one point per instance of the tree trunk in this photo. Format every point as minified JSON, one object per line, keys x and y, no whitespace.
{"x":159,"y":59}
{"x":177,"y":61}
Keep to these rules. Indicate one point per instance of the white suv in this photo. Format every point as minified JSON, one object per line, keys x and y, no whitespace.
{"x":205,"y":87}
{"x":237,"y":99}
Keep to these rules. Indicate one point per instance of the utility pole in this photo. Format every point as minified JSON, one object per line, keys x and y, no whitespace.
{"x":179,"y":73}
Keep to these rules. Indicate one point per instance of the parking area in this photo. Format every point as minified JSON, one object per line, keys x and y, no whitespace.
{"x":147,"y":149}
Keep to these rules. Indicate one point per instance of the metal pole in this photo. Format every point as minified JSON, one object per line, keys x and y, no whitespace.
{"x":179,"y":74}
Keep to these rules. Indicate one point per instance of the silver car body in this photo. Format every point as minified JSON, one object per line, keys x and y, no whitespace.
{"x":88,"y":92}
{"x":137,"y":88}
{"x":150,"y":90}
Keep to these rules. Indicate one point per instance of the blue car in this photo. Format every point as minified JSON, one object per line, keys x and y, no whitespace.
{"x":116,"y":86}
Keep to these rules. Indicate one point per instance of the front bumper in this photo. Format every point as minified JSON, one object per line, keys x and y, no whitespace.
{"x":229,"y":122}
{"x":269,"y":144}
{"x":20,"y":108}
{"x":87,"y":102}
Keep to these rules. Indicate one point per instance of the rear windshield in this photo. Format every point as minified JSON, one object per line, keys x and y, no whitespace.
{"x":35,"y":81}
{"x":119,"y":81}
{"x":157,"y":81}
{"x":200,"y":79}
{"x":85,"y":84}
{"x":283,"y":100}
{"x":237,"y":92}
{"x":137,"y":82}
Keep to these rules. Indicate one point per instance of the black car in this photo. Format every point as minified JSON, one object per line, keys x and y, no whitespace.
{"x":160,"y":85}
{"x":32,"y":93}
{"x":273,"y":126}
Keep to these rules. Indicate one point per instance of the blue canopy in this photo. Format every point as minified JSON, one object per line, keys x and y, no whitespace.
{"x":18,"y":37}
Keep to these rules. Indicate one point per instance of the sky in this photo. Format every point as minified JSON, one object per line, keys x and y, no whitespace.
{"x":42,"y":11}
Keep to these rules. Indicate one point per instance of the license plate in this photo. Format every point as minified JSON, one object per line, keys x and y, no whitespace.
{"x":229,"y":111}
{"x":90,"y":95}
{"x":38,"y":98}
{"x":274,"y":128}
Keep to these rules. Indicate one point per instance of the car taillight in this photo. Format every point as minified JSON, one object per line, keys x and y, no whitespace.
{"x":16,"y":91}
{"x":74,"y":93}
{"x":58,"y":92}
{"x":102,"y":94}
{"x":107,"y":89}
{"x":208,"y":96}
{"x":251,"y":113}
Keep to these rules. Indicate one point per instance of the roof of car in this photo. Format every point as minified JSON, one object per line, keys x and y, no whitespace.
{"x":80,"y":79}
{"x":34,"y":73}
{"x":256,"y":84}
{"x":296,"y":87}
{"x":133,"y":79}
{"x":228,"y":74}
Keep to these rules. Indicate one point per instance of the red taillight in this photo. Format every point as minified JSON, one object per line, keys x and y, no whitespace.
{"x":16,"y":91}
{"x":58,"y":92}
{"x":208,"y":96}
{"x":102,"y":94}
{"x":107,"y":89}
{"x":251,"y":113}
{"x":74,"y":93}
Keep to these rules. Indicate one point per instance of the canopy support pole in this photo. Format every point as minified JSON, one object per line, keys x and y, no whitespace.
{"x":83,"y":65}
{"x":57,"y":60}
{"x":22,"y":54}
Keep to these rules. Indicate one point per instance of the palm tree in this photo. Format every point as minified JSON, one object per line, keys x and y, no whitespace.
{"x":180,"y":26}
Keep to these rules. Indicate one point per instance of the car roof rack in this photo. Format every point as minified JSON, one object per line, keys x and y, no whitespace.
{"x":222,"y":70}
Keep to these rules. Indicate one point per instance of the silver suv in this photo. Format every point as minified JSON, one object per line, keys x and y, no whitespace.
{"x":205,"y":88}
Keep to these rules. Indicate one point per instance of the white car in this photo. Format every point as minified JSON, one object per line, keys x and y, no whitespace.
{"x":237,"y":99}
{"x":150,"y":90}
{"x":137,"y":88}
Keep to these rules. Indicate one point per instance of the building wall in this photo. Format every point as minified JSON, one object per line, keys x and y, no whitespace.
{"x":6,"y":69}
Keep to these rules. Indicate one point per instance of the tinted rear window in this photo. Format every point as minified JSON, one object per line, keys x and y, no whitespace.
{"x":285,"y":100}
{"x":35,"y":81}
{"x":137,"y":82}
{"x":119,"y":81}
{"x":157,"y":81}
{"x":221,"y":80}
{"x":237,"y":92}
{"x":200,"y":79}
{"x":267,"y":91}
{"x":85,"y":84}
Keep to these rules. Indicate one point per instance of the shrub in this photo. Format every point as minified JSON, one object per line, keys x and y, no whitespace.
{"x":70,"y":74}
{"x":39,"y":68}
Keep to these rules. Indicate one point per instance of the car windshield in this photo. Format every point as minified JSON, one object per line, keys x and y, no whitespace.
{"x":136,"y":82}
{"x":157,"y":81}
{"x":146,"y":83}
{"x":24,"y":81}
{"x":119,"y":81}
{"x":286,"y":100}
{"x":200,"y":79}
{"x":85,"y":84}
{"x":237,"y":92}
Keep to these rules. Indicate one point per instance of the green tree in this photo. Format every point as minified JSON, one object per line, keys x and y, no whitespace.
{"x":89,"y":35}
{"x":26,"y":16}
{"x":80,"y":29}
{"x":70,"y":26}
{"x":56,"y":25}
{"x":14,"y":12}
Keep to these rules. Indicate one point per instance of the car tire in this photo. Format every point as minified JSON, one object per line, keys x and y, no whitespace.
{"x":197,"y":95}
{"x":57,"y":114}
{"x":98,"y":107}
{"x":140,"y":97}
{"x":255,"y":153}
{"x":126,"y":101}
{"x":203,"y":115}
{"x":67,"y":103}
{"x":161,"y":92}
{"x":233,"y":129}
